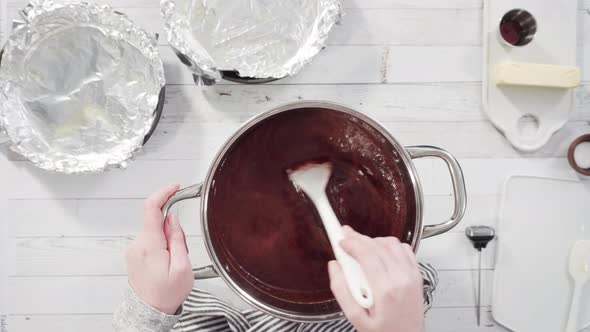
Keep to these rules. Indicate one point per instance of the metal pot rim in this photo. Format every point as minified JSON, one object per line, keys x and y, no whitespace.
{"x":405,"y":156}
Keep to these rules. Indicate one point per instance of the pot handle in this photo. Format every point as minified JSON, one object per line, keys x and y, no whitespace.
{"x":194,"y":191}
{"x":458,"y":187}
{"x":205,"y":272}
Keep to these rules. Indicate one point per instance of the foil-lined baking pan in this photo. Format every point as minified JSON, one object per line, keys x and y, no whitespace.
{"x":248,"y":41}
{"x":81,"y":87}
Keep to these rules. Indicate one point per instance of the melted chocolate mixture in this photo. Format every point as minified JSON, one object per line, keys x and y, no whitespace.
{"x":269,"y":236}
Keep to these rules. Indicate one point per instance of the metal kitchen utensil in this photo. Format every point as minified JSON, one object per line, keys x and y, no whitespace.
{"x":251,"y":41}
{"x":312,"y":179}
{"x":479,"y":236}
{"x":81,"y":87}
{"x":579,"y":268}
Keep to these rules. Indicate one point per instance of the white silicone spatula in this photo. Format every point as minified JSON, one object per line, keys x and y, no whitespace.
{"x":312,"y":179}
{"x":579,"y":267}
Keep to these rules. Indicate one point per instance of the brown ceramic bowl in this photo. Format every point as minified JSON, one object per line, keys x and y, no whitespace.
{"x":570,"y":154}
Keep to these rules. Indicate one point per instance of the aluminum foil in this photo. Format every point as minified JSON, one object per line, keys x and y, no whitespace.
{"x":79,"y":84}
{"x":256,"y":38}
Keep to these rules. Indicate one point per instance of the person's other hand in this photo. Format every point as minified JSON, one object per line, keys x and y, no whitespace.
{"x":159,"y":268}
{"x":394,"y":278}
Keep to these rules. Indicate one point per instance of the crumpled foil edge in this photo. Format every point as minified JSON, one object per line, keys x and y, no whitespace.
{"x":138,"y":37}
{"x":176,"y":30}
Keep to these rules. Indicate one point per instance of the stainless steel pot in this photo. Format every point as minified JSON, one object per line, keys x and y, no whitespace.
{"x":406,"y":153}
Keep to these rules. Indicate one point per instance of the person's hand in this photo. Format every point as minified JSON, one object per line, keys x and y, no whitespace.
{"x":394,"y":278}
{"x":159,"y":268}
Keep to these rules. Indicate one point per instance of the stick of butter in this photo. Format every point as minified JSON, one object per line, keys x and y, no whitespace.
{"x":537,"y":75}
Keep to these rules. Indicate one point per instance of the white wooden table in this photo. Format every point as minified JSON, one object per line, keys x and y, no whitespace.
{"x":413,"y":65}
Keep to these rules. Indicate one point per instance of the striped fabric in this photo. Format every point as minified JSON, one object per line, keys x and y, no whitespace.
{"x":205,"y":313}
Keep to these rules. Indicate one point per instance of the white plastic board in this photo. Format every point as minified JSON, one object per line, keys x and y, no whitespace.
{"x":540,"y":220}
{"x":511,"y":108}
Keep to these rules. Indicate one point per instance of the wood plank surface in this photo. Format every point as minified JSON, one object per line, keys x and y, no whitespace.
{"x":438,"y":320}
{"x":413,"y":65}
{"x":39,"y":256}
{"x":388,"y":26}
{"x":200,"y":142}
{"x":107,"y":217}
{"x":60,"y":294}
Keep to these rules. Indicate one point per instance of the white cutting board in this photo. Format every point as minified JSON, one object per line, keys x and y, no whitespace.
{"x":540,"y":219}
{"x":509,"y":107}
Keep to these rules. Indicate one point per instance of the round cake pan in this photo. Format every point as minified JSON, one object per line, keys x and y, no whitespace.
{"x":248,"y":41}
{"x":81,"y":87}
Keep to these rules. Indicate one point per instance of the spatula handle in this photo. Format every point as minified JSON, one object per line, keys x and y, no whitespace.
{"x":353,"y":273}
{"x":572,"y":321}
